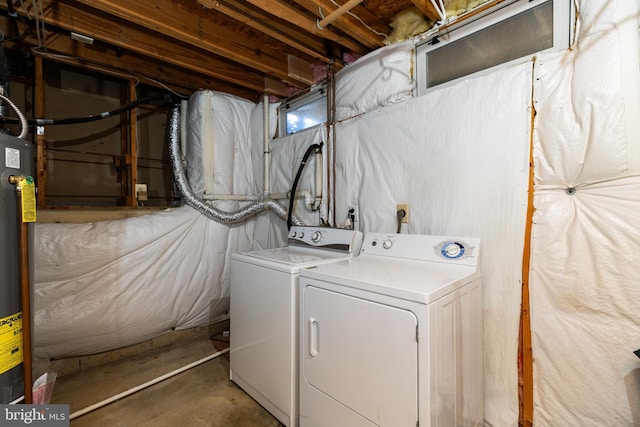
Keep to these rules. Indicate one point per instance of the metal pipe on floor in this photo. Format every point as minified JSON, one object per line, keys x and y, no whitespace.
{"x":149,"y":383}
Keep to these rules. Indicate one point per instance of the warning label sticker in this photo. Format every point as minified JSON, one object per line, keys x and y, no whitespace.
{"x":10,"y":342}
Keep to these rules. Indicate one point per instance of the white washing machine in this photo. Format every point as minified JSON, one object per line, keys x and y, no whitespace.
{"x":264,"y":313}
{"x":393,"y":337}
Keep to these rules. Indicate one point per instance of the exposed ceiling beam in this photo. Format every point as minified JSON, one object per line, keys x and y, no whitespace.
{"x":296,"y":17}
{"x":171,"y":18}
{"x":290,"y":36}
{"x":124,"y":65}
{"x":76,"y":18}
{"x":428,"y":9}
{"x":348,"y":23}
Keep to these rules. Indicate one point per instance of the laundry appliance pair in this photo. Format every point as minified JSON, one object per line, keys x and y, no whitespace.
{"x":341,"y":329}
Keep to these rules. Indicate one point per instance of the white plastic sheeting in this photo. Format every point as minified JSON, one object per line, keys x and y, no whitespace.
{"x":110,"y":284}
{"x":381,"y":78}
{"x":116,"y":283}
{"x":585,"y":261}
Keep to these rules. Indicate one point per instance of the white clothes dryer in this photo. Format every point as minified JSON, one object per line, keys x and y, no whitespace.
{"x":393,"y":337}
{"x":264,"y":313}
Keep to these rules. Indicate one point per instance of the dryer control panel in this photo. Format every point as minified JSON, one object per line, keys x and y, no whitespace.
{"x":338,"y":239}
{"x":444,"y":249}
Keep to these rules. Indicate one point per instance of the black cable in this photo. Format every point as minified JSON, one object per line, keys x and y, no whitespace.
{"x":312,"y":148}
{"x":165,"y":98}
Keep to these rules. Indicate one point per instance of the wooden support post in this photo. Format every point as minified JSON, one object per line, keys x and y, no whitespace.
{"x":41,"y":141}
{"x":133,"y":144}
{"x":525,"y":351}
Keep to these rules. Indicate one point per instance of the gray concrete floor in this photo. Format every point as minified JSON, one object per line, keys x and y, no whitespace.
{"x":201,"y":396}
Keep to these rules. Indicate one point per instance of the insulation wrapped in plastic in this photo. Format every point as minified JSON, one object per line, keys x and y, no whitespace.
{"x":234,"y":217}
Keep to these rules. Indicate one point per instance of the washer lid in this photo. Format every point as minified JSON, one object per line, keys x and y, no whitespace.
{"x":413,"y":280}
{"x":290,"y":257}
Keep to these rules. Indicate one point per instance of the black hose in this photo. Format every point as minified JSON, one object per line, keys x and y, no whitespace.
{"x":312,"y":148}
{"x":165,"y":98}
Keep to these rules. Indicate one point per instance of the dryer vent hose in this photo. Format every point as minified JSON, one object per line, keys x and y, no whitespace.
{"x":235,"y":217}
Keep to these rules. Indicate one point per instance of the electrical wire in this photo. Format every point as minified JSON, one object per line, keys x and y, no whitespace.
{"x":137,"y":77}
{"x":377,"y":33}
{"x":21,"y":118}
{"x":167,"y":99}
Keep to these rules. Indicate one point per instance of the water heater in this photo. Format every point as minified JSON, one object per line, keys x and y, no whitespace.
{"x":15,"y":159}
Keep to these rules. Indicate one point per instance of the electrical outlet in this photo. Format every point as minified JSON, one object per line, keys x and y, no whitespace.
{"x":141,"y":192}
{"x":405,"y":207}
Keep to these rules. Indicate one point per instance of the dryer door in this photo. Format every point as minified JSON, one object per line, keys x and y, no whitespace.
{"x":362,"y":354}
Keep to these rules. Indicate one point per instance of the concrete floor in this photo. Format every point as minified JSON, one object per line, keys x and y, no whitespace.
{"x":201,"y":396}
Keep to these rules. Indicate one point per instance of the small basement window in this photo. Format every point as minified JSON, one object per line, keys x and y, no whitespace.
{"x":303,"y":112}
{"x":510,"y":31}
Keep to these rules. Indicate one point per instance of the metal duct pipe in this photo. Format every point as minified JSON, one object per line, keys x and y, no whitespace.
{"x":235,"y":217}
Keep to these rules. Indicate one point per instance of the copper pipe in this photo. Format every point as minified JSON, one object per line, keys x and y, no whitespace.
{"x":25,"y":298}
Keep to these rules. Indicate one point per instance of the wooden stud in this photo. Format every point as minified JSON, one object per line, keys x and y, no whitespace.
{"x":133,"y":146}
{"x":525,"y":351}
{"x":41,"y":142}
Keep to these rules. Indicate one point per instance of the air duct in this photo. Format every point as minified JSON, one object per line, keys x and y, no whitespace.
{"x":235,"y":217}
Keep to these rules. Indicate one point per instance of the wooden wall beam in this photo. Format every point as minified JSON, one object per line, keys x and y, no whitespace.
{"x":133,"y":147}
{"x":41,"y":142}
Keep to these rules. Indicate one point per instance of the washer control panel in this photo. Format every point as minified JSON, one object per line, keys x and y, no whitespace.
{"x":442,"y":249}
{"x":338,"y":239}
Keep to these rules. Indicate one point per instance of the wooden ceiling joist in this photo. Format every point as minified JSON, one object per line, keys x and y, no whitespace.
{"x":78,"y":19}
{"x":296,"y":17}
{"x":347,"y":23}
{"x":167,"y":17}
{"x":228,"y":45}
{"x":287,"y":35}
{"x":429,"y":10}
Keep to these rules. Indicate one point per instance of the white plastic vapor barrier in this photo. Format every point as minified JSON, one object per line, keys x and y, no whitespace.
{"x":585,"y":260}
{"x":380,"y":78}
{"x":110,"y":284}
{"x":461,"y":167}
{"x":116,"y":283}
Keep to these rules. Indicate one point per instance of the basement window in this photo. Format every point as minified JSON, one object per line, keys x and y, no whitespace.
{"x":304,"y":112}
{"x":511,"y":31}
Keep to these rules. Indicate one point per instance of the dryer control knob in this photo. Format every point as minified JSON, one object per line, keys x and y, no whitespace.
{"x":315,"y":237}
{"x":293,"y":234}
{"x":387,"y":244}
{"x":301,"y":234}
{"x":453,"y":250}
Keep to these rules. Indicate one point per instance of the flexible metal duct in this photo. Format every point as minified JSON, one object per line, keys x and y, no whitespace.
{"x":235,"y":217}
